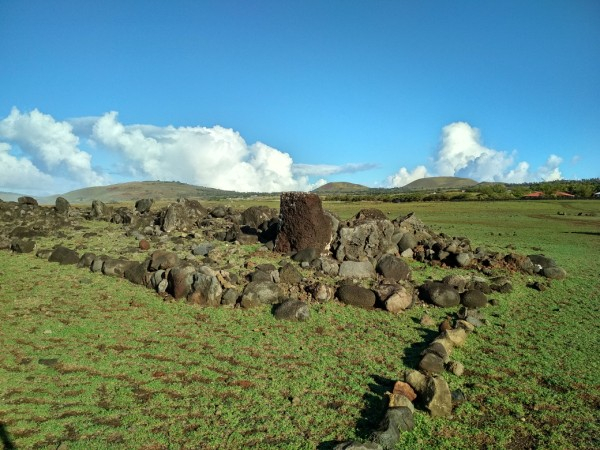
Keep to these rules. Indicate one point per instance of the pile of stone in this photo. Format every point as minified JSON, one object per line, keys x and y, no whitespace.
{"x":360,"y":262}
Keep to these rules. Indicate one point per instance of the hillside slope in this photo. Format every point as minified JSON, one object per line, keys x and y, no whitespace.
{"x":433,"y":183}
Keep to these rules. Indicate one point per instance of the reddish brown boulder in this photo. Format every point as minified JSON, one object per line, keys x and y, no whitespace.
{"x":304,"y":224}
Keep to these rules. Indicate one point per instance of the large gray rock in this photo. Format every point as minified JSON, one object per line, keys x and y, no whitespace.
{"x":206,"y":290}
{"x":356,"y":269}
{"x":555,"y":273}
{"x":304,"y":224}
{"x":137,"y":274}
{"x":289,"y":274}
{"x":181,"y":279}
{"x":473,"y":299}
{"x":116,"y":267}
{"x":255,"y":216}
{"x":366,"y":240}
{"x":400,"y":300}
{"x":22,"y":246}
{"x":440,"y":294}
{"x":395,"y":421}
{"x":259,"y":293}
{"x":99,"y":209}
{"x":351,"y":294}
{"x":162,"y":259}
{"x":182,"y":215}
{"x":292,"y":310}
{"x":542,"y":261}
{"x":62,"y":205}
{"x":408,"y":241}
{"x":431,"y":363}
{"x":393,"y":268}
{"x":64,"y":255}
{"x":438,"y":399}
{"x":26,"y":200}
{"x":143,"y":205}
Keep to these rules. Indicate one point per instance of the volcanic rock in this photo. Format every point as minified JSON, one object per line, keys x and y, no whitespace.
{"x":292,"y":310}
{"x":64,"y":255}
{"x":356,"y":269}
{"x":440,"y":294}
{"x":438,"y":399}
{"x":393,"y":268}
{"x":143,"y":205}
{"x":259,"y":293}
{"x":303,"y":223}
{"x":351,"y":294}
{"x":473,"y":299}
{"x":62,"y":205}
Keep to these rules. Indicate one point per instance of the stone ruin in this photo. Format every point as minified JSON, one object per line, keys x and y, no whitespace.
{"x":363,"y":262}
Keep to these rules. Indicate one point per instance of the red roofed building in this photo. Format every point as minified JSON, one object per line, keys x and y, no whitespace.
{"x":537,"y":194}
{"x":563,"y":194}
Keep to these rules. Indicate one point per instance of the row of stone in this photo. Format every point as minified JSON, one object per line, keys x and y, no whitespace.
{"x":425,"y":385}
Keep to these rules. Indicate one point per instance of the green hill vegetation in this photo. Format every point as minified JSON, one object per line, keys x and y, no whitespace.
{"x":158,"y":190}
{"x":340,"y":187}
{"x":435,"y":183}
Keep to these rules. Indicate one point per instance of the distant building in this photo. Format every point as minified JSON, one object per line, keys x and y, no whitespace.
{"x":597,"y":195}
{"x":537,"y":194}
{"x":563,"y":194}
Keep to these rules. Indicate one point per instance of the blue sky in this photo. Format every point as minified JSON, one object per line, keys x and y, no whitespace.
{"x":285,"y":95}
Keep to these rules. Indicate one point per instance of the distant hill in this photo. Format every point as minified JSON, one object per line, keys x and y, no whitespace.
{"x":130,"y":192}
{"x":9,"y":196}
{"x":435,"y":183}
{"x":340,"y":187}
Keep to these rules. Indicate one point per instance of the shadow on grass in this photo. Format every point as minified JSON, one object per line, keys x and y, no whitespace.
{"x":412,"y":354}
{"x":589,"y":233}
{"x":373,"y":412}
{"x":7,"y":444}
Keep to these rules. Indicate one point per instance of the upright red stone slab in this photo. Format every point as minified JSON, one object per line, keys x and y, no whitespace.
{"x":304,"y":224}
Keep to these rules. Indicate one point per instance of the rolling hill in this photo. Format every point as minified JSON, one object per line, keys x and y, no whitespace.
{"x":434,"y":183}
{"x":132,"y":191}
{"x":340,"y":187}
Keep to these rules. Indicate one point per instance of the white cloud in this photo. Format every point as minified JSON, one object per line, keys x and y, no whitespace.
{"x":215,"y":157}
{"x":551,"y":170}
{"x":404,"y":177}
{"x":462,"y":154}
{"x":329,"y":169}
{"x":19,"y":174}
{"x":52,"y":146}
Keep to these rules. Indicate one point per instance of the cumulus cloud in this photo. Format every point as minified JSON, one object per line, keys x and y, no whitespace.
{"x":19,"y":174}
{"x":404,"y":177}
{"x":50,"y":146}
{"x":329,"y":169}
{"x":463,"y":154}
{"x":216,"y":157}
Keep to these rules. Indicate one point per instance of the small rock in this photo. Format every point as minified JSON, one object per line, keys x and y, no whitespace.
{"x":356,"y":269}
{"x":396,"y":420}
{"x":438,"y":399}
{"x":292,"y":310}
{"x":458,"y":397}
{"x":401,"y":387}
{"x":473,"y":299}
{"x":356,"y":296}
{"x":306,"y":255}
{"x":431,"y":363}
{"x":144,"y":244}
{"x":416,"y":380}
{"x":456,"y":368}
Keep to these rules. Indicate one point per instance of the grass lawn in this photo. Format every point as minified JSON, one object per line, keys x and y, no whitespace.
{"x":93,"y":362}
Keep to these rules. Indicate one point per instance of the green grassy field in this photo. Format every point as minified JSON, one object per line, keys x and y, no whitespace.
{"x":92,"y":362}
